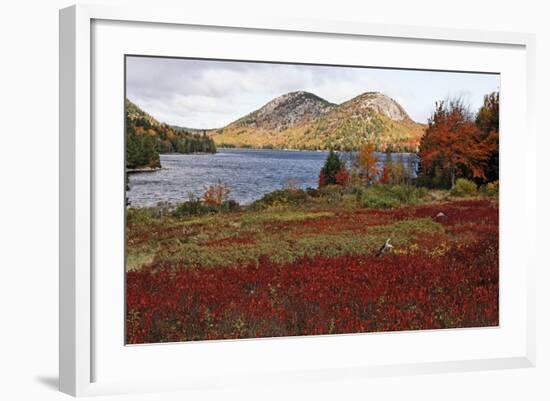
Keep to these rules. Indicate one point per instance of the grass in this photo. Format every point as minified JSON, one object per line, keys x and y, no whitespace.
{"x":282,"y":215}
{"x":282,"y":233}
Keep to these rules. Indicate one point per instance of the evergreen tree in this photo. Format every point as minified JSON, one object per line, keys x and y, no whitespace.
{"x":332,"y":166}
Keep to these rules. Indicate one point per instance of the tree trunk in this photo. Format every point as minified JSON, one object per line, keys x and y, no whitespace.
{"x":452,"y":178}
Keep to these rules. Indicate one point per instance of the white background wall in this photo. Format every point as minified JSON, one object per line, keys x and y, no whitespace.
{"x":29,"y":186}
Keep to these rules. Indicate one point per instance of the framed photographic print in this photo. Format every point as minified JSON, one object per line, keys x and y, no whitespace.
{"x":271,"y":200}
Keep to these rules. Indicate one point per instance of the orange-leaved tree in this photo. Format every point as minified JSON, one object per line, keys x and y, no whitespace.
{"x":453,"y":143}
{"x":368,"y":162}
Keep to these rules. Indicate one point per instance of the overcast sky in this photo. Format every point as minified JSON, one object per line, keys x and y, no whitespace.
{"x":211,"y":94}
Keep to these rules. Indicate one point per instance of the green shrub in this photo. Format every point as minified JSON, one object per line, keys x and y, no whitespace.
{"x":146,"y":215}
{"x":378,"y":200}
{"x":357,"y":191}
{"x":161,"y":209}
{"x":193,"y":207}
{"x":349,"y":200}
{"x":332,"y":194}
{"x":331,"y":189}
{"x":436,"y":179}
{"x":464,"y":188}
{"x":281,"y":197}
{"x":491,"y":189}
{"x":408,"y":194}
{"x":139,"y":216}
{"x":388,"y":196}
{"x":313,"y":192}
{"x":230,"y":206}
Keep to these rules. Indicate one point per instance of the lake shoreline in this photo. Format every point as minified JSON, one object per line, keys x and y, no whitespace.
{"x":142,"y":170}
{"x":249,"y":173}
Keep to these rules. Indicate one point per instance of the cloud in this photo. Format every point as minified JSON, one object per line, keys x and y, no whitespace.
{"x":210,"y":94}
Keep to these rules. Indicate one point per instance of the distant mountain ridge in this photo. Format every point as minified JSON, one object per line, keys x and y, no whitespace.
{"x":303,"y":120}
{"x":287,"y":111}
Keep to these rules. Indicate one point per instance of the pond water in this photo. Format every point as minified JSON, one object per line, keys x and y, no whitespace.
{"x":250,"y":173}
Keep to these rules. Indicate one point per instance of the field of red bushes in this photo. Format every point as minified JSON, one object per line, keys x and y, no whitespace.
{"x":442,"y":273}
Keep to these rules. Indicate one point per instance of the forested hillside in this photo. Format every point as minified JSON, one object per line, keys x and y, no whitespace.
{"x":303,"y":120}
{"x":146,"y":138}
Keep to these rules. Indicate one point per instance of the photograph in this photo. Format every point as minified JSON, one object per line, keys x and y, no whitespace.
{"x":277,"y":199}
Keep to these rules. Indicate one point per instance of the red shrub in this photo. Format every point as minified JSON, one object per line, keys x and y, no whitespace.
{"x":323,"y":295}
{"x":342,"y":177}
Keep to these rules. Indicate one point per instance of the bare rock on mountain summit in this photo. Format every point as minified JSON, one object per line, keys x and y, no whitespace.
{"x":378,"y":103}
{"x":286,"y":111}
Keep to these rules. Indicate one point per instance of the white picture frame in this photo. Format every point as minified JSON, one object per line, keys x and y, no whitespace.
{"x":78,"y":368}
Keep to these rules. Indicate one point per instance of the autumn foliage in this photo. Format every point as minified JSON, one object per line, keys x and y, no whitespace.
{"x":216,"y":194}
{"x":304,"y":262}
{"x":458,"y":145}
{"x":386,"y":177}
{"x":342,"y":177}
{"x":368,"y":163}
{"x":429,"y":284}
